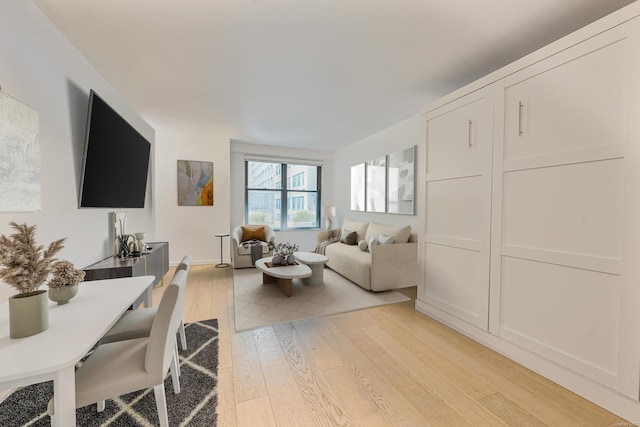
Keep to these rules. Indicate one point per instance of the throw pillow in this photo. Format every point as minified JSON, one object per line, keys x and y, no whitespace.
{"x":385,"y":240}
{"x":399,"y":234}
{"x":359,"y":227}
{"x":373,"y":241}
{"x":363,"y":245}
{"x":349,"y":237}
{"x":252,"y":232}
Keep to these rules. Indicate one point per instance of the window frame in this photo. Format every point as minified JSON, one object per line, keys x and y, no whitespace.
{"x":282,"y":168}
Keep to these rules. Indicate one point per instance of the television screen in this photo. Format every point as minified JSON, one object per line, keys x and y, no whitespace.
{"x":115,"y":162}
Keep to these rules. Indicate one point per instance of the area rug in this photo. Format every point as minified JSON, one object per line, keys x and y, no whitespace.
{"x":258,"y":305}
{"x":195,"y":405}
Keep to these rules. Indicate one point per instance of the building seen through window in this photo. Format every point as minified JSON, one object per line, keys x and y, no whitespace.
{"x":286,"y":200}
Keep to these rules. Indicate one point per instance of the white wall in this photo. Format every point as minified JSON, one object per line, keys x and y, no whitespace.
{"x":306,"y":239}
{"x":39,"y":67}
{"x":191,"y":229}
{"x":397,"y":137}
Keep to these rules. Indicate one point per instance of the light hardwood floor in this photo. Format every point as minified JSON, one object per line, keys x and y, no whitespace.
{"x":384,"y":366}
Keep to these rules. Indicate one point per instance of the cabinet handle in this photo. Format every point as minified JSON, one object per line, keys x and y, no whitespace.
{"x":469,"y":135}
{"x":520,"y":111}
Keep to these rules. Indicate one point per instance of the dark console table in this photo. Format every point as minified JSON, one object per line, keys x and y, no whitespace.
{"x":154,"y":263}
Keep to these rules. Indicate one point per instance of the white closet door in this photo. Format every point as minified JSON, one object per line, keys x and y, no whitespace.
{"x":458,"y":207}
{"x":560,"y":288}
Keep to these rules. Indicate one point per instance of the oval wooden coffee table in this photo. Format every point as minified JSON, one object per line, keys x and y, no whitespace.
{"x":282,"y":275}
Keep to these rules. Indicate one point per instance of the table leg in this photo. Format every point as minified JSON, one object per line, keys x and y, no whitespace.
{"x":285,"y":284}
{"x":64,"y":391}
{"x":148,"y":297}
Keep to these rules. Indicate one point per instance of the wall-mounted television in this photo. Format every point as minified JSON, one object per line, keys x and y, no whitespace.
{"x":115,"y":162}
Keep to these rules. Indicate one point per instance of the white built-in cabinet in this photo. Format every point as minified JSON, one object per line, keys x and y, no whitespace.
{"x":532,"y":211}
{"x":458,"y":207}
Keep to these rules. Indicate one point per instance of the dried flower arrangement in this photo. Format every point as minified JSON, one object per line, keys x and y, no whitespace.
{"x":65,"y":274}
{"x":285,"y":249}
{"x":26,"y":265}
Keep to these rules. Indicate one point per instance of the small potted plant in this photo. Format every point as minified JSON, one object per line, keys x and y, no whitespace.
{"x":25,"y":266}
{"x":64,"y":281}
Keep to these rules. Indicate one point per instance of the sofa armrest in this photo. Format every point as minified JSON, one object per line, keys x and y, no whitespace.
{"x":324,"y":234}
{"x":236,"y":235}
{"x":394,"y":266}
{"x":269,"y":235}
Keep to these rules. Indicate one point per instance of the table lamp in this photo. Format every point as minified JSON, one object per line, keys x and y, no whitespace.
{"x":329,"y":212}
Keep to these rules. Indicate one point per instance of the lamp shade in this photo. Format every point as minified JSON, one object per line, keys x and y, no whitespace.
{"x":329,"y":211}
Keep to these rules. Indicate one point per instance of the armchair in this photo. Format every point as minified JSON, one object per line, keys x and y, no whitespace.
{"x":241,"y":254}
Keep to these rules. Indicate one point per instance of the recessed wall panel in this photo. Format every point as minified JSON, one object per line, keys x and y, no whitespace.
{"x":455,"y":206}
{"x":573,"y":208}
{"x":568,"y":314}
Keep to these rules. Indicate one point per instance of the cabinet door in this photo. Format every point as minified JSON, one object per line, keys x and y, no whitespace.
{"x":458,"y":203}
{"x":565,"y":198}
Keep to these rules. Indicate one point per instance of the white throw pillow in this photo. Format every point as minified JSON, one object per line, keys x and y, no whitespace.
{"x":363,"y":245}
{"x":373,"y":241}
{"x":385,"y":240}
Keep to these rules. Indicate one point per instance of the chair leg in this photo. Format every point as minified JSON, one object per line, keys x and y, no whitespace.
{"x":183,"y":336}
{"x":175,"y":377}
{"x":101,"y":405}
{"x":176,"y":356}
{"x":161,"y":404}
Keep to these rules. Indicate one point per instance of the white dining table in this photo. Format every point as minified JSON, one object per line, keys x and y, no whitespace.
{"x":74,"y":328}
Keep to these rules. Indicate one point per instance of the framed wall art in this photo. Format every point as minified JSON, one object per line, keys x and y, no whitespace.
{"x":195,"y":183}
{"x":358,"y":187}
{"x":20,"y":188}
{"x":376,"y":191}
{"x":401,"y":169}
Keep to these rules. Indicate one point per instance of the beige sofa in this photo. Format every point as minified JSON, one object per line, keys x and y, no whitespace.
{"x":389,"y":266}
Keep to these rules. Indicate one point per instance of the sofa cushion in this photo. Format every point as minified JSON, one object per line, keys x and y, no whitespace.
{"x":351,"y":262}
{"x":349,"y":237}
{"x":359,"y":227}
{"x":399,"y":234}
{"x":252,"y":232}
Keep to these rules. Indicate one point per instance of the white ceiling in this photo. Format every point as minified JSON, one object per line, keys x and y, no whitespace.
{"x":304,"y":73}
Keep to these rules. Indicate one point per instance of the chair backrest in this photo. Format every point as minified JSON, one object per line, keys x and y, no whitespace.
{"x":165,"y":324}
{"x":185,"y":264}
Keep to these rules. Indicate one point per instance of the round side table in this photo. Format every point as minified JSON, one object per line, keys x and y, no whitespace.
{"x":222,"y":263}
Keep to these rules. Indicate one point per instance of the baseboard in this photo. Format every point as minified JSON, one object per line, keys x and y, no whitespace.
{"x":203,"y":262}
{"x":6,"y":393}
{"x":607,"y":398}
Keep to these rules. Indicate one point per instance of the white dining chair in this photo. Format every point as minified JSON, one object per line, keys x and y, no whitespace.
{"x":122,"y":367}
{"x":137,"y":323}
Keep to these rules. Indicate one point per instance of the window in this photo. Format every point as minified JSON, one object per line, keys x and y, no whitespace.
{"x":281,"y":195}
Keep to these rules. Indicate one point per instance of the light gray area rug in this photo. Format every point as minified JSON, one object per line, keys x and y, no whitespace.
{"x":258,"y":305}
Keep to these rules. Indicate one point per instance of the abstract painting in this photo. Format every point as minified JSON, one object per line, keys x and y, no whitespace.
{"x":357,"y":187}
{"x":20,"y":189}
{"x":376,"y":185}
{"x":195,"y":183}
{"x":400,"y":181}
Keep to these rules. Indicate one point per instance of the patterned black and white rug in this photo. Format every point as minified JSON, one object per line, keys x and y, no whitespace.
{"x":194,"y":406}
